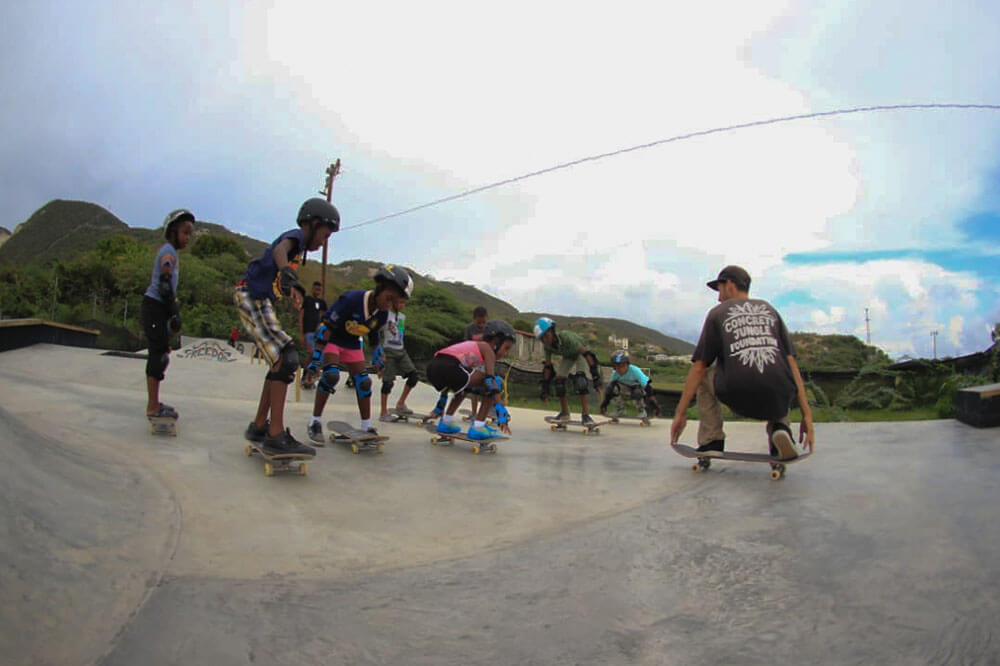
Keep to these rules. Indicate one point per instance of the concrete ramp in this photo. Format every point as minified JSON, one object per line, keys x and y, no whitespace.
{"x":122,"y":548}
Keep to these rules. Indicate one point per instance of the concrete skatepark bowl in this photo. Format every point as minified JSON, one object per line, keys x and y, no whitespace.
{"x":122,"y":548}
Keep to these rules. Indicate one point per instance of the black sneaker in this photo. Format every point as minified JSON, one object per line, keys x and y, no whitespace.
{"x":316,"y":432}
{"x":561,"y":416}
{"x":713,"y":449}
{"x":285,"y":443}
{"x":169,"y":411}
{"x":586,"y":420}
{"x":372,"y":431}
{"x":783,"y":444}
{"x":255,"y":434}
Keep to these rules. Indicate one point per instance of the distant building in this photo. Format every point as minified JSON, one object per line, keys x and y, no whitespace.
{"x":617,"y":343}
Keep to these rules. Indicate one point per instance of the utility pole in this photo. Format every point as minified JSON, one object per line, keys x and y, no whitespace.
{"x":331,"y":173}
{"x":868,"y":328}
{"x":934,"y":335}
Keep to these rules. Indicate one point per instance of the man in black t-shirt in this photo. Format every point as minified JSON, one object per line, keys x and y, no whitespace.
{"x":746,"y":360}
{"x":313,"y":307}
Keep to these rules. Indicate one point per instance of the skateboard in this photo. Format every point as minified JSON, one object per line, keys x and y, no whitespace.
{"x":162,"y":425}
{"x":280,"y":462}
{"x":358,"y":440}
{"x":420,"y":419}
{"x":704,"y":462}
{"x":643,"y":421}
{"x":588,"y":428}
{"x":467,"y":415}
{"x":448,"y":439}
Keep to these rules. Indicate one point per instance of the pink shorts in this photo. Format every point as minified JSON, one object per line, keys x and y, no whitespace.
{"x":345,"y":355}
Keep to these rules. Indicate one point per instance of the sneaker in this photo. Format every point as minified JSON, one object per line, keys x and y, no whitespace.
{"x":713,"y":449}
{"x":285,"y":443}
{"x":162,"y":412}
{"x":783,"y":445}
{"x":485,"y":432}
{"x":316,"y":432}
{"x":255,"y":434}
{"x":403,"y":410}
{"x":386,"y":418}
{"x":561,"y":416}
{"x":448,"y":428}
{"x":372,"y":431}
{"x":169,"y":411}
{"x":586,"y":420}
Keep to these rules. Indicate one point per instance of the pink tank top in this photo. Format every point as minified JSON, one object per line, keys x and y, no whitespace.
{"x":467,"y":353}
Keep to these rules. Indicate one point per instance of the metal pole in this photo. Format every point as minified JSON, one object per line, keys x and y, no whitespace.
{"x":331,"y":173}
{"x":934,"y":335}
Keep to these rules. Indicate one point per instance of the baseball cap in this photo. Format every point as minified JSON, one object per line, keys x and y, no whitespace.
{"x":731,"y":274}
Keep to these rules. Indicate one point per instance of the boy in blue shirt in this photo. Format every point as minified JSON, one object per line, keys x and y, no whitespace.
{"x":628,"y":379}
{"x":161,"y":317}
{"x":338,"y":340}
{"x":272,"y":277}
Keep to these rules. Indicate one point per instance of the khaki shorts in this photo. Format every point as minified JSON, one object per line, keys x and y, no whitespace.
{"x":566,"y":367}
{"x":397,"y":363}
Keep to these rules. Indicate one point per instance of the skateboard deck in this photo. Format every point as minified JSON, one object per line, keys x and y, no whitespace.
{"x":448,"y":439}
{"x":358,"y":440}
{"x":419,"y":419}
{"x":467,"y":415}
{"x":162,"y":425}
{"x":704,"y":462}
{"x":643,"y":421}
{"x":588,"y":428}
{"x":280,"y":462}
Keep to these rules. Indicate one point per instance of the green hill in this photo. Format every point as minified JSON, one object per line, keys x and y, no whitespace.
{"x":597,"y":329}
{"x":835,"y":352}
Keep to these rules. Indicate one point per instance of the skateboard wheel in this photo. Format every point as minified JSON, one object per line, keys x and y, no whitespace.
{"x":434,"y":441}
{"x":379,"y":447}
{"x":268,"y":469}
{"x":554,"y":428}
{"x":475,"y":449}
{"x":303,"y":469}
{"x":775,"y":474}
{"x":354,"y":448}
{"x":249,"y":450}
{"x":696,"y":467}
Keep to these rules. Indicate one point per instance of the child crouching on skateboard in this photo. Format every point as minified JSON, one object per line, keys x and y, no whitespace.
{"x":391,"y":361}
{"x":267,"y":279}
{"x":576,"y":360}
{"x":470,"y":364}
{"x":627,"y":379}
{"x":745,"y":359}
{"x":161,"y":316}
{"x":338,"y":340}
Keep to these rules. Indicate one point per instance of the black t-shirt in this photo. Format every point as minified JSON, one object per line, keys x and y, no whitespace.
{"x":312,"y":310}
{"x":749,"y":342}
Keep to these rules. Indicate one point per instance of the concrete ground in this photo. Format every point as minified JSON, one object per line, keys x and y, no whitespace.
{"x":121,"y":548}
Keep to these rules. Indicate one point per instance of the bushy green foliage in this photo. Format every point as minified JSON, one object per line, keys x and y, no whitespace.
{"x":209,"y":245}
{"x":434,"y":319}
{"x":835,"y":352}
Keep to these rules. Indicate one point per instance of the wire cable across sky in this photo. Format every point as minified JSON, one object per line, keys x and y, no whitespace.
{"x":673,"y":139}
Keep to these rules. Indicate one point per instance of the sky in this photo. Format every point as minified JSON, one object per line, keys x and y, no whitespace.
{"x":233,"y":110}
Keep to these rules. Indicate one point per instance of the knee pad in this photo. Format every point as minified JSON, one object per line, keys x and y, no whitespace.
{"x":156,"y":366}
{"x":412,"y":379}
{"x":560,"y":387}
{"x":580,"y":384}
{"x":329,"y":379}
{"x":615,"y":389}
{"x":638,"y":393}
{"x":288,"y":363}
{"x":441,"y":403}
{"x":362,"y":384}
{"x":387,"y":385}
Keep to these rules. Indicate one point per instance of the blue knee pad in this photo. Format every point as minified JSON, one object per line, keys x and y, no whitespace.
{"x":441,"y":403}
{"x":362,"y":384}
{"x":329,"y":379}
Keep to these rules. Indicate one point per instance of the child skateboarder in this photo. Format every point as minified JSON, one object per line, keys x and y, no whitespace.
{"x":391,"y":361}
{"x":627,"y":379}
{"x":576,"y":360}
{"x":271,"y":277}
{"x":474,"y":331}
{"x":467,"y":365}
{"x":161,"y":316}
{"x":745,"y":359}
{"x":339,"y":339}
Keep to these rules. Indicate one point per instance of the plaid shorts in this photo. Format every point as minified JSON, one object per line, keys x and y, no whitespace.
{"x":260,"y":323}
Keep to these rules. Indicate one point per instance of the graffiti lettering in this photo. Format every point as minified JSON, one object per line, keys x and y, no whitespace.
{"x":212,"y":351}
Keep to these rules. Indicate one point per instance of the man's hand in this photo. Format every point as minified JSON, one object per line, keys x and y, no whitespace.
{"x":297,"y":300}
{"x":807,"y":434}
{"x":677,"y":426}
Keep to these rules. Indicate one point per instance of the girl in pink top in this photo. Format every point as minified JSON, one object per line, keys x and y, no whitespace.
{"x":469,"y":364}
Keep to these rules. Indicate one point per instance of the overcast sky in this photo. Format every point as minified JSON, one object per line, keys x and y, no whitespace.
{"x":234,"y":111}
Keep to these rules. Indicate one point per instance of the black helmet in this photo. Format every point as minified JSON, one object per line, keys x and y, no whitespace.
{"x":176,"y":216}
{"x":396,"y":276}
{"x":498,"y":328}
{"x":321,"y":208}
{"x":620,"y":356}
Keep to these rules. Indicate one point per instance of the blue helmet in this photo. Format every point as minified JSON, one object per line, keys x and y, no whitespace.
{"x":620,"y":356}
{"x":543,"y":324}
